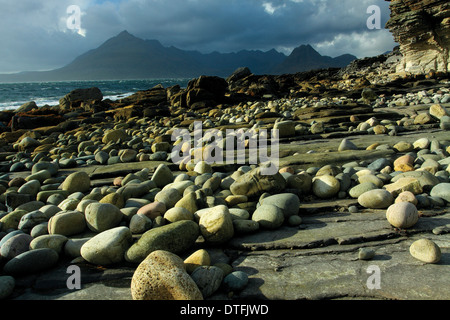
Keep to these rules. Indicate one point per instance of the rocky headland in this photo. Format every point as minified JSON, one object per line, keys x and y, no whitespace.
{"x":93,"y":207}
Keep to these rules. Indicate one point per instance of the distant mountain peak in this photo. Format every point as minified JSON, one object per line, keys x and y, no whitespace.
{"x":305,"y":57}
{"x":124,"y":35}
{"x":126,"y":56}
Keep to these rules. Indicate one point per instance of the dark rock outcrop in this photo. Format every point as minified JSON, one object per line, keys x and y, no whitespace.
{"x":422,"y":28}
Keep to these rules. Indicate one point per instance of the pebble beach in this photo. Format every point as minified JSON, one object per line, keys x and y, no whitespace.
{"x":363,"y":172}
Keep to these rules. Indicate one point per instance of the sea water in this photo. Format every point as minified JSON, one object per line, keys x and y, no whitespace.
{"x":13,"y":95}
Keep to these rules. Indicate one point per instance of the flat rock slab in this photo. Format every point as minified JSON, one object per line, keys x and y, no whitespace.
{"x":320,"y":260}
{"x":335,"y":272}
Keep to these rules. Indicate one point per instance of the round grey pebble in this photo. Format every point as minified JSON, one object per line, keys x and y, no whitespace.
{"x":208,"y":279}
{"x":31,"y":261}
{"x":353,"y":209}
{"x":365,"y":254}
{"x":235,"y":281}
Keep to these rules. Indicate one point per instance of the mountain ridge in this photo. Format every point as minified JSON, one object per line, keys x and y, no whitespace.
{"x":126,"y":56}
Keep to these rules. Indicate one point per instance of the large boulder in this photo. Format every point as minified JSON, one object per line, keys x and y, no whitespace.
{"x":75,"y":98}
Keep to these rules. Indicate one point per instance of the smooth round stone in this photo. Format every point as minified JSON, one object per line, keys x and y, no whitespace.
{"x":301,"y":181}
{"x":17,"y":167}
{"x":158,"y":156}
{"x":441,"y":190}
{"x":216,"y":225}
{"x":50,"y":210}
{"x":403,"y":146}
{"x":178,"y":214}
{"x":67,"y":223}
{"x":366,"y":254}
{"x":347,"y":144}
{"x":136,"y":203}
{"x":330,"y":170}
{"x":67,"y":163}
{"x":404,"y":163}
{"x":108,"y":247}
{"x":174,"y":237}
{"x":101,"y":157}
{"x":203,"y":167}
{"x":128,"y":155}
{"x":55,"y":242}
{"x":7,"y":285}
{"x":31,"y":219}
{"x":55,"y":199}
{"x":422,"y":143}
{"x":294,"y":221}
{"x":426,"y":251}
{"x":406,"y":196}
{"x":140,"y":223}
{"x":115,"y":199}
{"x":376,"y":199}
{"x":183,"y":187}
{"x":82,"y":205}
{"x":242,"y":226}
{"x":235,"y":281}
{"x":153,"y":210}
{"x":208,"y":279}
{"x":68,"y":204}
{"x":114,"y":135}
{"x":169,"y":197}
{"x":361,"y":188}
{"x":15,"y":245}
{"x":17,"y":182}
{"x":198,"y":258}
{"x":51,"y":167}
{"x":72,"y":248}
{"x":402,"y":215}
{"x":31,"y":262}
{"x":233,"y":200}
{"x":102,"y":216}
{"x":371,"y":178}
{"x":353,"y":209}
{"x":188,"y":202}
{"x":268,"y":216}
{"x":9,"y":235}
{"x":31,"y":187}
{"x":325,"y":186}
{"x":162,"y":176}
{"x":289,"y":203}
{"x":285,"y":128}
{"x":162,"y":276}
{"x":39,"y":229}
{"x":12,"y":219}
{"x":136,"y":190}
{"x":77,"y":182}
{"x":237,"y":213}
{"x":41,"y":176}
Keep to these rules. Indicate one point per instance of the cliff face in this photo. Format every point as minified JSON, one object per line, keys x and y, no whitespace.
{"x":422,"y":28}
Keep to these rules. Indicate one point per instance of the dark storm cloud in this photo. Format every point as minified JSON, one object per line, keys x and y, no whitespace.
{"x":40,"y":38}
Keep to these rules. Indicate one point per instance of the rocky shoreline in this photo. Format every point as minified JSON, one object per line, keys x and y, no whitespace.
{"x":363,"y":179}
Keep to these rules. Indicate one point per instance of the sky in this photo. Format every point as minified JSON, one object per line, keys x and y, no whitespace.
{"x":44,"y":35}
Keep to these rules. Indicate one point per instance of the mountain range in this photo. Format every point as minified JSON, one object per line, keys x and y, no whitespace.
{"x":128,"y":57}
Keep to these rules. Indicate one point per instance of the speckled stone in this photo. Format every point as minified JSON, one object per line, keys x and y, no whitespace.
{"x":426,"y":251}
{"x":402,"y":215}
{"x":162,"y":276}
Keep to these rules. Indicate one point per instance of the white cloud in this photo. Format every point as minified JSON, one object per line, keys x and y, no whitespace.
{"x":270,"y":8}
